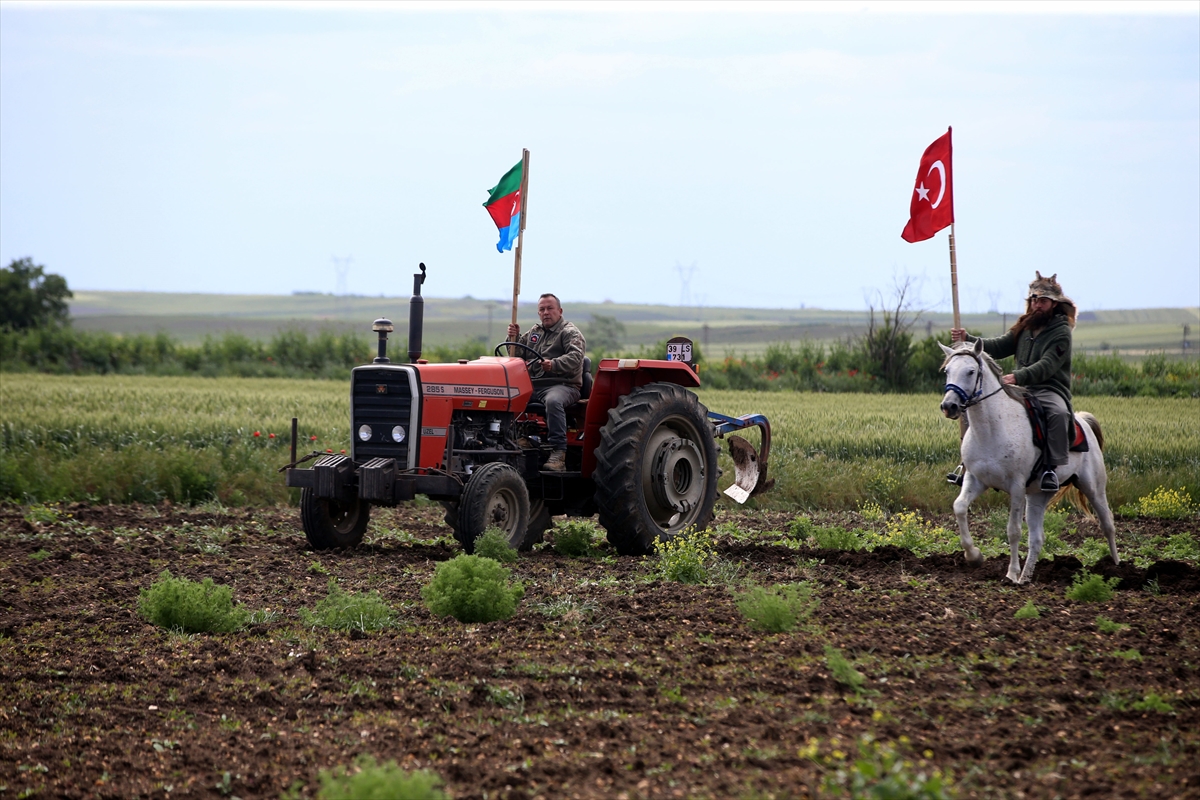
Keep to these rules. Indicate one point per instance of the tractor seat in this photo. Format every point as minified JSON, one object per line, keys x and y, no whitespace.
{"x":576,"y":410}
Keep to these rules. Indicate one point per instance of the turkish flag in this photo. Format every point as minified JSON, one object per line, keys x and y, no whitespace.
{"x":932,"y":206}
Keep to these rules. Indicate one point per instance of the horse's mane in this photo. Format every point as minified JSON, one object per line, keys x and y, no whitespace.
{"x":964,"y":349}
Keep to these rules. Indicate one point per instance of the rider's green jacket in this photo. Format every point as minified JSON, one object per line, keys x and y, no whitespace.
{"x":1043,"y":356}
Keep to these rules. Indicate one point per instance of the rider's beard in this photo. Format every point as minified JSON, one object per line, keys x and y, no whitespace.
{"x":1033,"y":320}
{"x":1038,"y":319}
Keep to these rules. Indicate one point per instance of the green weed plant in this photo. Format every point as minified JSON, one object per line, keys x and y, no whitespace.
{"x":1028,"y":611}
{"x":1089,"y":588}
{"x":843,"y":671}
{"x":347,"y":611}
{"x":880,"y":772}
{"x":1153,"y":702}
{"x":685,"y":558}
{"x":493,"y":544}
{"x":1181,"y":547}
{"x":183,"y":605}
{"x":575,"y":538}
{"x":472,"y":589}
{"x":370,"y":780}
{"x":908,"y":530}
{"x":1106,"y":625}
{"x":779,"y":608}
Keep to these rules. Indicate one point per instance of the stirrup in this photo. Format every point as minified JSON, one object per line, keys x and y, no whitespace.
{"x":956,"y":477}
{"x":1049,"y":481}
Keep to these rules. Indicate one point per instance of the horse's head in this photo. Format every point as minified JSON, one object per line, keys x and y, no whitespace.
{"x":964,"y":376}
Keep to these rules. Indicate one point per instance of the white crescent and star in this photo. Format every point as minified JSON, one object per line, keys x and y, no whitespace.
{"x":942,"y":187}
{"x":923,"y":193}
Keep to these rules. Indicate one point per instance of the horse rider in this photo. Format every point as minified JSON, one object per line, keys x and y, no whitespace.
{"x":1041,"y":341}
{"x":558,"y":376}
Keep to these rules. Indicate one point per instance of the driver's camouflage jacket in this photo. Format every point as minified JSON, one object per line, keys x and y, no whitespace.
{"x":563,"y":344}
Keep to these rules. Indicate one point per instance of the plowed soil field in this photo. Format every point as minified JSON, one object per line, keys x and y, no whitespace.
{"x":606,"y":683}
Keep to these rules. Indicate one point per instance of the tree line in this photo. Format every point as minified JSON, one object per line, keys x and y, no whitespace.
{"x":36,"y":335}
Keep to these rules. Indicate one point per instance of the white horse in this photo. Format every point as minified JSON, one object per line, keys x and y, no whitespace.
{"x":998,"y":453}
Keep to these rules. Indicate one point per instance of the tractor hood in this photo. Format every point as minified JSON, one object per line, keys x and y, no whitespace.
{"x":489,"y":383}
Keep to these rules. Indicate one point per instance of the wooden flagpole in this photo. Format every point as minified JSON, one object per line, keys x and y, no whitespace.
{"x":521,"y":231}
{"x":953,"y":276}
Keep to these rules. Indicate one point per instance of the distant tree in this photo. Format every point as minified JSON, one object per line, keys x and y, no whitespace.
{"x":887,"y":345}
{"x":29,"y":298}
{"x":604,"y":334}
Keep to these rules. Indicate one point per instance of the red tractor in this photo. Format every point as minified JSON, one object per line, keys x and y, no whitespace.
{"x":642,"y":450}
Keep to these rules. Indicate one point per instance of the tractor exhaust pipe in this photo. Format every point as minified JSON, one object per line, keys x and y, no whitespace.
{"x":416,"y":317}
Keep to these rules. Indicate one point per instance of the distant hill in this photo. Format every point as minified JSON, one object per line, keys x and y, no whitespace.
{"x":191,"y":317}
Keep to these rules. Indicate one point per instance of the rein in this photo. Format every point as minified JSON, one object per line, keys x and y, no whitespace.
{"x":977,"y":396}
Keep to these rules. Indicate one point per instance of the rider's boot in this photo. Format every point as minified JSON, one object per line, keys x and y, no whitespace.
{"x":1049,"y":481}
{"x":956,"y":477}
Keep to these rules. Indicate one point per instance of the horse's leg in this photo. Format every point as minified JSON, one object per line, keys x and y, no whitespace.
{"x":1035,"y":516}
{"x":1093,"y":482}
{"x":971,"y":489}
{"x":1016,"y":511}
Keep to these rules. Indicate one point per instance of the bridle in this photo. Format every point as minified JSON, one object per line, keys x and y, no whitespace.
{"x":977,"y":396}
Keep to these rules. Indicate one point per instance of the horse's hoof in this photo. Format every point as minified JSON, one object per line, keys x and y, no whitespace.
{"x":1015,"y":577}
{"x":974,"y":556}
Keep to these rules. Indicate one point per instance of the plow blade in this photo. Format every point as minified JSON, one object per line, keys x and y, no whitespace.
{"x":749,"y":465}
{"x":749,"y":471}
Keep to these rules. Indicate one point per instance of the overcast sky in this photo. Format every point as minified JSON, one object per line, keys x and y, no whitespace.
{"x":764,"y":154}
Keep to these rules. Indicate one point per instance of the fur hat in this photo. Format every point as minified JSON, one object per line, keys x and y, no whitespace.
{"x":1049,"y":287}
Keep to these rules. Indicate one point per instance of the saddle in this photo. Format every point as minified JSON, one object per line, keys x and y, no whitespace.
{"x":1037,"y":421}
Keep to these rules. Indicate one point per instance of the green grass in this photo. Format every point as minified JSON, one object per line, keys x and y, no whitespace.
{"x":779,"y":608}
{"x":135,"y":438}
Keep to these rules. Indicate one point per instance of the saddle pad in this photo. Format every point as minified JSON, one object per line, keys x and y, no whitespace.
{"x":1037,"y":421}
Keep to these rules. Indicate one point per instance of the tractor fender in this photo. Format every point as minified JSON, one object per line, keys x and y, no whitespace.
{"x":617,"y":377}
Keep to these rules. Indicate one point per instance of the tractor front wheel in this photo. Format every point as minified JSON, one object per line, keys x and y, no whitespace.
{"x":494,"y":496}
{"x":330,"y":523}
{"x":656,"y":467}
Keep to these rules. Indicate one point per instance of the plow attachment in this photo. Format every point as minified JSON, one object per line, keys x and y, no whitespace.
{"x":749,"y":466}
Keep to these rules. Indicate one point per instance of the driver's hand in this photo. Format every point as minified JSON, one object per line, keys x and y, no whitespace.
{"x":514,"y":331}
{"x":1009,"y":380}
{"x":547,"y":366}
{"x":958,"y":335}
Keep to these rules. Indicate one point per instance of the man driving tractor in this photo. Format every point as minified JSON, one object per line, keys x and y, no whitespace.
{"x":1041,"y":342}
{"x":558,"y":376}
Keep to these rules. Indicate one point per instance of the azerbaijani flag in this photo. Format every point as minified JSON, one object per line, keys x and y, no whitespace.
{"x":504,"y":204}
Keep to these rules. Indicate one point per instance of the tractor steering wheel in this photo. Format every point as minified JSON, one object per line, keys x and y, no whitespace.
{"x":536,"y":358}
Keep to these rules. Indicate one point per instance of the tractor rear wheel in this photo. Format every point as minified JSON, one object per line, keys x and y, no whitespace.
{"x":656,"y":468}
{"x":330,"y":523}
{"x":494,"y":496}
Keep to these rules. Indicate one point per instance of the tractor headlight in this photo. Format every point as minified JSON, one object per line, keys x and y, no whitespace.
{"x":364,"y":432}
{"x":398,"y":434}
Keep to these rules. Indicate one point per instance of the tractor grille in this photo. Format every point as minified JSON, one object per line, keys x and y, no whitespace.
{"x":384,"y":397}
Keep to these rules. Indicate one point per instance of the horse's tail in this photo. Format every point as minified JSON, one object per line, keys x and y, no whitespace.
{"x":1070,"y":492}
{"x":1075,"y":498}
{"x":1094,"y":424}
